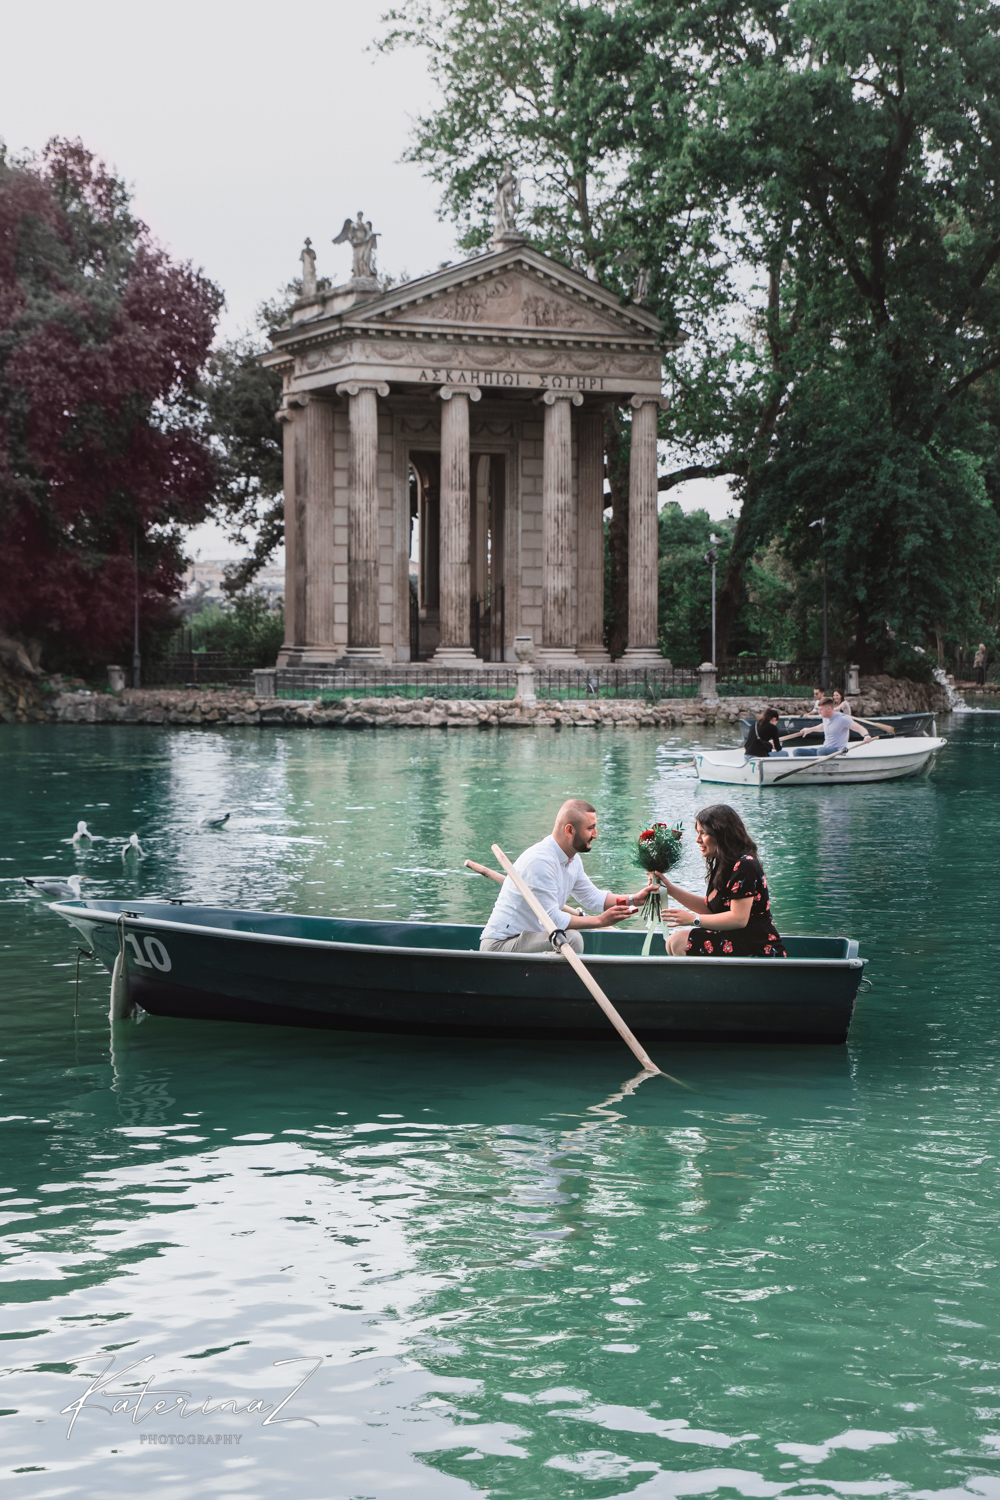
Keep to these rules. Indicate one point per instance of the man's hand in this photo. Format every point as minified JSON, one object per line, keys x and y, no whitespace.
{"x":612,"y":914}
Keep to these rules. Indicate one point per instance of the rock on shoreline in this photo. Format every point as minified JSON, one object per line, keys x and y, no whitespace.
{"x":211,"y":708}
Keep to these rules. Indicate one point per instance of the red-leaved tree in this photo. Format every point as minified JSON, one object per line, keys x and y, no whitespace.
{"x":102,"y":440}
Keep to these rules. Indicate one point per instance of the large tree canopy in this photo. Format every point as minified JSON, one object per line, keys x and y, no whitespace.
{"x":102,"y":441}
{"x":854,"y":149}
{"x":813,"y":186}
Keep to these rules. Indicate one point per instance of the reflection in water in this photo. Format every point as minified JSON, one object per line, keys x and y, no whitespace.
{"x":524,"y":1277}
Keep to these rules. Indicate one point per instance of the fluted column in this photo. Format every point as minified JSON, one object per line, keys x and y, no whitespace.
{"x":308,"y":481}
{"x":362,"y":521}
{"x":642,"y":649}
{"x":317,"y":425}
{"x":295,"y":581}
{"x":590,"y":536}
{"x":455,"y":511}
{"x":557,"y":529}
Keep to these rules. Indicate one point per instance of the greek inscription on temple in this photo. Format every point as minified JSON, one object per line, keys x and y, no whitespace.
{"x":525,"y":379}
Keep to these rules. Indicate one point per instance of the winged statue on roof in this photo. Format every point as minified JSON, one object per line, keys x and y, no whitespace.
{"x":362,"y":241}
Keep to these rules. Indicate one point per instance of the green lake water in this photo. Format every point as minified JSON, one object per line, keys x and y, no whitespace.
{"x":508,"y":1277}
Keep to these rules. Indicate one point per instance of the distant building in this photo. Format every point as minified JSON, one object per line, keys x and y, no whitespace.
{"x":203,"y":582}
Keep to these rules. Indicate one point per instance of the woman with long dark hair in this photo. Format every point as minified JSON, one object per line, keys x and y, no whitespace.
{"x":763,"y":736}
{"x":734,"y":918}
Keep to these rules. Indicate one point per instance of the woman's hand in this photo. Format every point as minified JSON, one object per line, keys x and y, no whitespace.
{"x":676,"y":916}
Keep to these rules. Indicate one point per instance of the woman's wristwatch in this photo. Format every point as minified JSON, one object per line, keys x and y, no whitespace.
{"x":696,"y":922}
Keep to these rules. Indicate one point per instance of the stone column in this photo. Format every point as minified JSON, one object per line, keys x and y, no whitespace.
{"x":316,"y":525}
{"x":642,"y":649}
{"x":557,"y":531}
{"x":308,"y":482}
{"x":455,"y":649}
{"x":590,"y":536}
{"x":363,"y":643}
{"x":295,"y":604}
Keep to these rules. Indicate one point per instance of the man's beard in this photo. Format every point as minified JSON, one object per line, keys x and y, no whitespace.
{"x":580,"y":844}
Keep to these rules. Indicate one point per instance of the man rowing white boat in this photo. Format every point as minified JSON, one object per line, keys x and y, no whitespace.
{"x":836,"y":728}
{"x":553,"y":871}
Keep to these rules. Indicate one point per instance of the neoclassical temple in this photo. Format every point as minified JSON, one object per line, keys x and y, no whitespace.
{"x":444,"y":462}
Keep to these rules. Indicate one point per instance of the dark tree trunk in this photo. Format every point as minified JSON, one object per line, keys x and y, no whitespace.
{"x":730,"y":593}
{"x":617,"y":452}
{"x":868,"y":643}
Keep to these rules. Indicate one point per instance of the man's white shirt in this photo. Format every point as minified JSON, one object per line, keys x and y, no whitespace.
{"x":836,"y":732}
{"x":551,"y":876}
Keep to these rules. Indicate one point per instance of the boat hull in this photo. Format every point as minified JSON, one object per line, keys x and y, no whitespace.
{"x":881,"y":760}
{"x":320,"y":972}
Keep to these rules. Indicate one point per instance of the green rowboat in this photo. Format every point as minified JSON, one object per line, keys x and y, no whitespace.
{"x":212,"y":963}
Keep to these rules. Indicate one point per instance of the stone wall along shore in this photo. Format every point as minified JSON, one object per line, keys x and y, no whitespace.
{"x":879,"y":695}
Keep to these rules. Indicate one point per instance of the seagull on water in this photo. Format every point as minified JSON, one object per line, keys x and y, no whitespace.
{"x":82,"y":832}
{"x":216,"y":820}
{"x":132,"y":847}
{"x":57,"y":890}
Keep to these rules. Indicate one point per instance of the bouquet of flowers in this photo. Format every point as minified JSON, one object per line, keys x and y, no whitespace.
{"x":657,"y":849}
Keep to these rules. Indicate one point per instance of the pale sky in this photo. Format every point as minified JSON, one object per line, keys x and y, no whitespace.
{"x":241,"y":129}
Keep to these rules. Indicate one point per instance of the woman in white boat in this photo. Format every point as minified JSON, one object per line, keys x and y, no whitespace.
{"x":763,"y":736}
{"x":733,"y":920}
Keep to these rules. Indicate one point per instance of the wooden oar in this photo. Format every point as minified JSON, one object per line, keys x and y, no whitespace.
{"x":810,"y":761}
{"x":576,"y":962}
{"x":874,"y":723}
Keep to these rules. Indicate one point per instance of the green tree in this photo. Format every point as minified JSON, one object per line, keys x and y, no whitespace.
{"x":853,"y":147}
{"x":685,"y":582}
{"x":242,"y":400}
{"x":251,"y":630}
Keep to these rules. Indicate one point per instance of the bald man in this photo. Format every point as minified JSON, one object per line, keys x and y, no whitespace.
{"x":553,"y":871}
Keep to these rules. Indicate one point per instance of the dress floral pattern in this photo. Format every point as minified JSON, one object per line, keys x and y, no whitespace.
{"x":759,"y":938}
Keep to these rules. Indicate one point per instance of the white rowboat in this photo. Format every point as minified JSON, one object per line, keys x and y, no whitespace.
{"x":881,"y":760}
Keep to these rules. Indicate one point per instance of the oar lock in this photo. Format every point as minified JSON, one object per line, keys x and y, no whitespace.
{"x":557,"y":937}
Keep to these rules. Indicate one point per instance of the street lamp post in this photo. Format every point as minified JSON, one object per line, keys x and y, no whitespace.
{"x":136,"y":657}
{"x":824,"y":661}
{"x":712,"y":557}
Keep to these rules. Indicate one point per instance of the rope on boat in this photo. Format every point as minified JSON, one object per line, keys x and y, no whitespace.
{"x":80,"y":953}
{"x":121,"y":1004}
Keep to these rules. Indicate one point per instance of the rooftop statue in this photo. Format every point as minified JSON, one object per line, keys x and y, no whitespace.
{"x":308,"y":259}
{"x":505,"y":208}
{"x":359,"y":236}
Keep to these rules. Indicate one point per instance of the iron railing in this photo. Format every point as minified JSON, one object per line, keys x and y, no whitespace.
{"x":496,"y":683}
{"x":737,"y":677}
{"x":756,"y":676}
{"x":197,"y":669}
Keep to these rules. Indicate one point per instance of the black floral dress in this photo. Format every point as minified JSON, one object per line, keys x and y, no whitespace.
{"x":759,"y":938}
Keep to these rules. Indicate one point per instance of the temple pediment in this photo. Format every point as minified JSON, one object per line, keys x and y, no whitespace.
{"x":513,"y":321}
{"x":518,"y":291}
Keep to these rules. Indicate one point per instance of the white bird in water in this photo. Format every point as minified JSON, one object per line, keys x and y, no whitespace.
{"x":82,"y":832}
{"x":132,"y":847}
{"x":216,"y":820}
{"x":57,"y":890}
